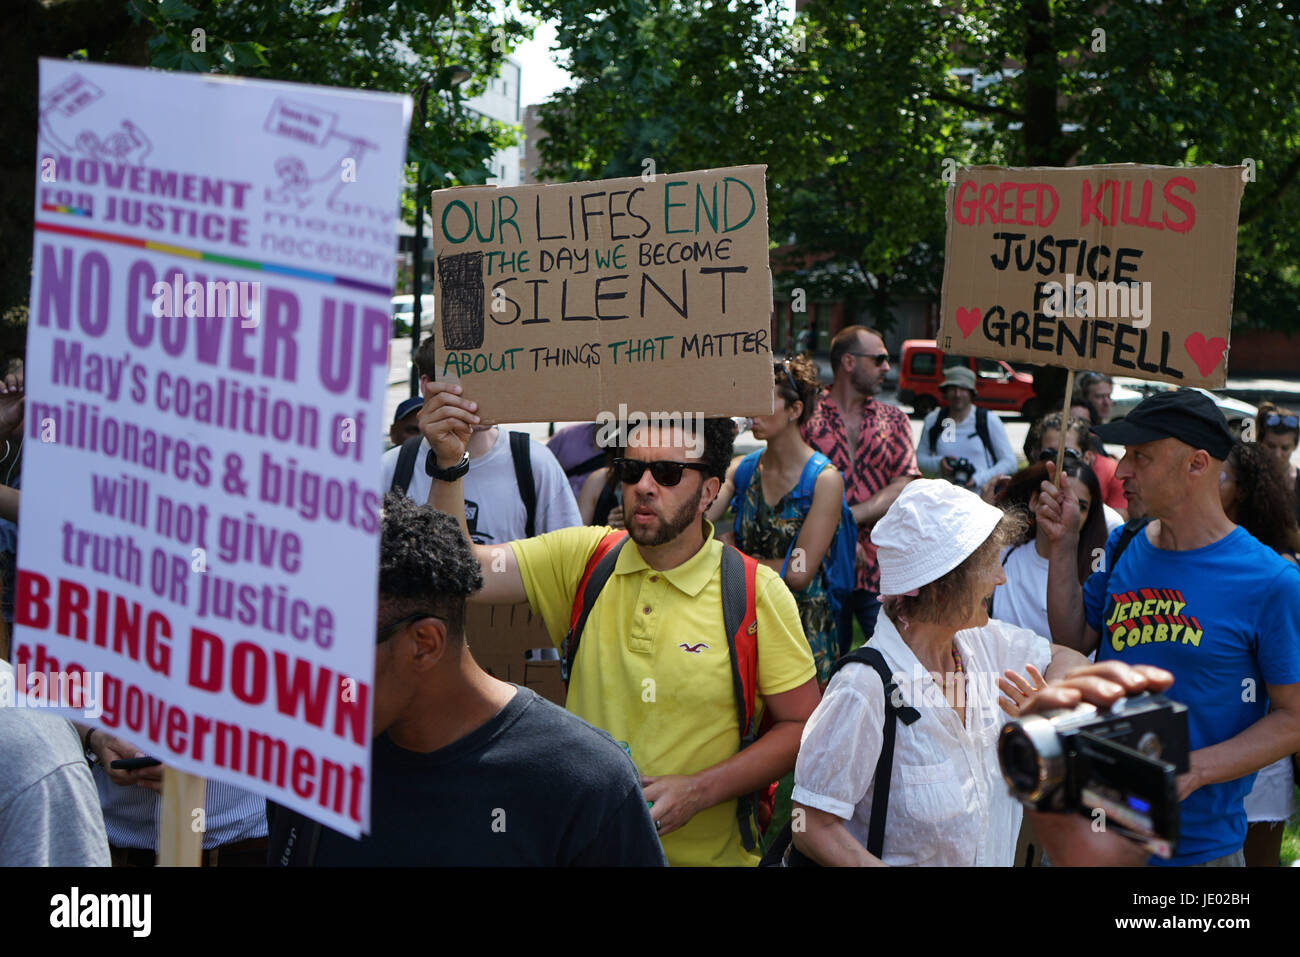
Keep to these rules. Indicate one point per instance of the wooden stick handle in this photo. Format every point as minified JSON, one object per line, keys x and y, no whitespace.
{"x":180,"y":836}
{"x":1065,"y":422}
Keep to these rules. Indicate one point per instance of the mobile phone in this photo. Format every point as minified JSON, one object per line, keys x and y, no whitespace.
{"x":134,"y":764}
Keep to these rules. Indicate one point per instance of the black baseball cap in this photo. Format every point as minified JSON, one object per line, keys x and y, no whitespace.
{"x":407,"y":407}
{"x":1184,"y":414}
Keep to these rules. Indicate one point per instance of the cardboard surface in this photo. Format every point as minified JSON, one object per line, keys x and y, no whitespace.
{"x":500,"y":638}
{"x":559,"y":302}
{"x":1040,"y":265}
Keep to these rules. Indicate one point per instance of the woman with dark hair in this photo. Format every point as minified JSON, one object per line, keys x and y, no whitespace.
{"x":947,"y":803}
{"x":1023,"y":599}
{"x":771,"y":517}
{"x":1254,"y":496}
{"x":1277,"y":430}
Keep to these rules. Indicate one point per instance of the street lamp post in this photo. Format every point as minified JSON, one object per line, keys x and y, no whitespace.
{"x":448,"y":78}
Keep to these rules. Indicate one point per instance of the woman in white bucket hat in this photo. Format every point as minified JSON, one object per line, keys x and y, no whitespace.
{"x":938,"y":549}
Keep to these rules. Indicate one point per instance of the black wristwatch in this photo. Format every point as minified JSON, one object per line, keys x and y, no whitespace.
{"x":91,"y":758}
{"x":447,"y":475}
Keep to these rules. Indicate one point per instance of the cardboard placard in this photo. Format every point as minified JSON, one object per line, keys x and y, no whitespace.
{"x":560,"y":302}
{"x":501,"y":638}
{"x":207,"y":362}
{"x":1124,"y":269}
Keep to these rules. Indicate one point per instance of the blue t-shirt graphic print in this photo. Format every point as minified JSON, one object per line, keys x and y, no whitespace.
{"x":1225,"y":620}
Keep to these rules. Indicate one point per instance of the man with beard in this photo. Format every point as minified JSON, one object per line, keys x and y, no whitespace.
{"x":653,"y":668}
{"x":871,"y":444}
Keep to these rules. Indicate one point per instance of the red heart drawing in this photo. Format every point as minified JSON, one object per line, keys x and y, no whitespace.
{"x":1205,"y":354}
{"x":968,"y":319}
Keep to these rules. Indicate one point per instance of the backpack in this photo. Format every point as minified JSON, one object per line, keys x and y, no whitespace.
{"x":740,"y":621}
{"x":840,"y":562}
{"x":782,"y":852}
{"x":981,"y":429}
{"x":519,"y":452}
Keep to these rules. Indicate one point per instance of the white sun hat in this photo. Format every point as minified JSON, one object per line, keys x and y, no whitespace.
{"x":931,"y":528}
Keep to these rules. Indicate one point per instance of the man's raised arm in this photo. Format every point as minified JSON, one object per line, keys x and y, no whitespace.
{"x":446,"y":420}
{"x":1058,"y":515}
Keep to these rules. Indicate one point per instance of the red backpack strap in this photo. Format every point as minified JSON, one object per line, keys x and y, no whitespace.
{"x":740,"y":620}
{"x":599,"y":567}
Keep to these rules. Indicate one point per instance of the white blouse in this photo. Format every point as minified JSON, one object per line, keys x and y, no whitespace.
{"x":948,"y":804}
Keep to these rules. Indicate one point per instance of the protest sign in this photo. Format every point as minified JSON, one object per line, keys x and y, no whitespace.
{"x":207,"y":358}
{"x":560,"y":302}
{"x":1123,"y":269}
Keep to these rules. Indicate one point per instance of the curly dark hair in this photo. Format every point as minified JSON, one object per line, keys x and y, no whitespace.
{"x":425,"y":563}
{"x":1265,"y":507}
{"x":952,"y":597}
{"x":797,"y":381}
{"x":1021,"y":487}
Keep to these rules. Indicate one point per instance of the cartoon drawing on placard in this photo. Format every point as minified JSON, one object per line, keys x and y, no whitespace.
{"x":322,"y":157}
{"x":65,"y":124}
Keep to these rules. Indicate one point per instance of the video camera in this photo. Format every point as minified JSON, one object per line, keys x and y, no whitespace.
{"x":962,"y":471}
{"x":1122,"y":761}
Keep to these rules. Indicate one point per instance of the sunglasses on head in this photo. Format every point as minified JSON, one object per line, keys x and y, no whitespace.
{"x":880,"y":358}
{"x":1049,"y":455}
{"x":1273,"y":421}
{"x":383,"y":634}
{"x":785,"y":367}
{"x":667,"y":474}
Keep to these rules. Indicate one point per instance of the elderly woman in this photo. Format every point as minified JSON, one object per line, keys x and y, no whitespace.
{"x":938,"y":550}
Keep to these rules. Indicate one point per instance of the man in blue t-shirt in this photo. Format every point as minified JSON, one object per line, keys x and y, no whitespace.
{"x":1193,"y":594}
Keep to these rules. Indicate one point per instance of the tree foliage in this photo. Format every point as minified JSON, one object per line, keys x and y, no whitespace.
{"x":855,"y":107}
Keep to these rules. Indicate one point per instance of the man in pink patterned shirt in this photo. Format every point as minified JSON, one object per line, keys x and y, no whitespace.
{"x":871,"y":444}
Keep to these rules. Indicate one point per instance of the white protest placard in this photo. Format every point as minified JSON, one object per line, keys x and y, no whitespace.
{"x":206,"y":365}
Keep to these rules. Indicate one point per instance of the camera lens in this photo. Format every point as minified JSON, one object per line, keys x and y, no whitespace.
{"x":1030,"y":753}
{"x":1019,"y":762}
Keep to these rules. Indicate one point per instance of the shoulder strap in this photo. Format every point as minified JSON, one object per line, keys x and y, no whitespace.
{"x":599,"y":567}
{"x":937,"y":429}
{"x":740,"y":479}
{"x":519,"y":451}
{"x":406,"y":464}
{"x":740,"y":621}
{"x":808,"y":477}
{"x":895,"y":711}
{"x":582,"y":468}
{"x":1131,"y":529}
{"x":982,"y":430}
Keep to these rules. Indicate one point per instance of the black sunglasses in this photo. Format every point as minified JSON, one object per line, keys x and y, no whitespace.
{"x":785,"y":367}
{"x":383,"y":634}
{"x":1273,"y":420}
{"x":880,"y":359}
{"x":667,"y":474}
{"x":1049,"y":455}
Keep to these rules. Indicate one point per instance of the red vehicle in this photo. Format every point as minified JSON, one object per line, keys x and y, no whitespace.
{"x":1001,"y":388}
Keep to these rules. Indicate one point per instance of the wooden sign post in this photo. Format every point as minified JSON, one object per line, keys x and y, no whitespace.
{"x":180,"y":843}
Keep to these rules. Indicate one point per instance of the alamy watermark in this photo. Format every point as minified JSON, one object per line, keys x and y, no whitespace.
{"x":656,"y":429}
{"x":1098,"y":300}
{"x":73,"y":690}
{"x":209,"y":299}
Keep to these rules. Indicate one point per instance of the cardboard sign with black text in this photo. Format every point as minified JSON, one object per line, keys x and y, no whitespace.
{"x":559,"y":302}
{"x":1123,"y":269}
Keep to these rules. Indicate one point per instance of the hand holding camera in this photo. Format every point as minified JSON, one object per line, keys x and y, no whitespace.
{"x":1102,"y":745}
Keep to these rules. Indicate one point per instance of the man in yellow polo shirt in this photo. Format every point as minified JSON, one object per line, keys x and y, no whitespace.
{"x":653,"y":667}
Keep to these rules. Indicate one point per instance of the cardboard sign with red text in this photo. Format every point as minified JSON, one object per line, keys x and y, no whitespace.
{"x":560,"y":302}
{"x":1124,"y":269}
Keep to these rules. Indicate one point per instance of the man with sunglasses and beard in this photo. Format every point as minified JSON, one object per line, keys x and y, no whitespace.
{"x":467,"y":770}
{"x":871,"y":444}
{"x":653,"y":667}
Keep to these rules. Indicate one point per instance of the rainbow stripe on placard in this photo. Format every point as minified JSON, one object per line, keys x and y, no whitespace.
{"x":70,"y":210}
{"x":201,"y":256}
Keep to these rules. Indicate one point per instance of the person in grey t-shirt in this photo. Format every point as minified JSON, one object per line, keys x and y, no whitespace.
{"x":49,"y":809}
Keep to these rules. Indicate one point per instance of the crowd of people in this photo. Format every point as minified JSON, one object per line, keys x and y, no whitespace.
{"x":804,"y":655}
